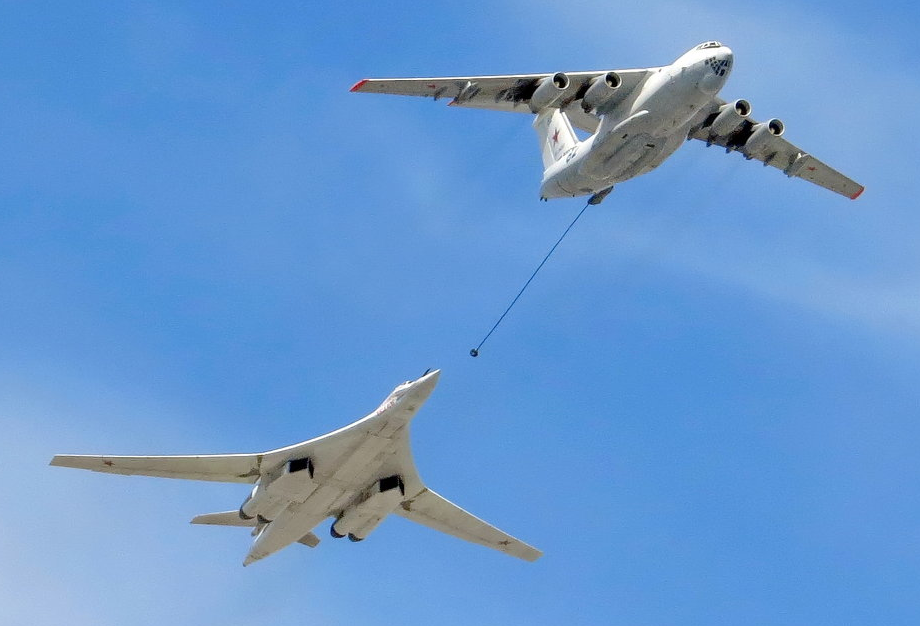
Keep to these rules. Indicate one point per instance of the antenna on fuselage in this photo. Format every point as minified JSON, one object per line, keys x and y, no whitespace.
{"x":475,"y":351}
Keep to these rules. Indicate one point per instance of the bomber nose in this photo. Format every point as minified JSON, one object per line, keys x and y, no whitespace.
{"x":421,"y":388}
{"x":429,"y":380}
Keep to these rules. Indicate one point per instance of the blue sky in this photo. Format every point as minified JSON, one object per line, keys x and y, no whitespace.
{"x":704,"y":410}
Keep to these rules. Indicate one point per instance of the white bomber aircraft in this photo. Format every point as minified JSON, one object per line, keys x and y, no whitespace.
{"x":358,"y":474}
{"x":637,"y":118}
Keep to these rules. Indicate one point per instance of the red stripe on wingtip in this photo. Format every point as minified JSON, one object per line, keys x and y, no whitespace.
{"x":359,"y":84}
{"x":857,"y":194}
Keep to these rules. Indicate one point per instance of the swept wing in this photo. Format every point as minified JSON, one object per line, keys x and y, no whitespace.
{"x":226,"y":468}
{"x":510,"y":92}
{"x":331,"y":450}
{"x":432,"y":510}
{"x":775,"y":151}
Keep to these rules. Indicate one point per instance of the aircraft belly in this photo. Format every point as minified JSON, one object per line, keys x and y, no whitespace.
{"x":614,"y":160}
{"x":559,"y":187}
{"x":615,"y":157}
{"x":292,"y":523}
{"x":652,"y":154}
{"x":626,"y":147}
{"x":671,"y":98}
{"x":669,"y":147}
{"x":363,"y":459}
{"x":562,"y":179}
{"x":355,"y":469}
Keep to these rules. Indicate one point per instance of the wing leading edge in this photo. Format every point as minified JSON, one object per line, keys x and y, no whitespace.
{"x":510,"y":92}
{"x":434,"y":511}
{"x":774,"y":150}
{"x":226,"y":468}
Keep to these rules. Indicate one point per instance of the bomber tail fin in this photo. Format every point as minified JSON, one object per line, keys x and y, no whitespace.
{"x":555,"y":134}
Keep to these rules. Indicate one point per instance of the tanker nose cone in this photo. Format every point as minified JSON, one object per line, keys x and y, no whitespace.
{"x":716,"y":69}
{"x":727,"y":58}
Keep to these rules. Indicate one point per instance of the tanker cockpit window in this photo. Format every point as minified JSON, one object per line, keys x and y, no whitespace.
{"x":709,"y":44}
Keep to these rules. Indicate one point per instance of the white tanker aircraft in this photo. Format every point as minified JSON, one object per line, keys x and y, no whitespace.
{"x":637,"y":118}
{"x":358,"y":474}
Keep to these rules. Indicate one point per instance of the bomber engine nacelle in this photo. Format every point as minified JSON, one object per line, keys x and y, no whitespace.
{"x":369,"y":509}
{"x":601,"y":90}
{"x":276,"y":489}
{"x":761,"y":135}
{"x":261,"y":503}
{"x":729,"y":119}
{"x":549,"y":92}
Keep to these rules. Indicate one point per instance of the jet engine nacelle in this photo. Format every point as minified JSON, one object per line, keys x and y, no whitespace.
{"x":276,"y":489}
{"x":761,"y":135}
{"x":731,"y":116}
{"x":549,"y":92}
{"x":600,"y":91}
{"x":374,"y":504}
{"x":261,"y":503}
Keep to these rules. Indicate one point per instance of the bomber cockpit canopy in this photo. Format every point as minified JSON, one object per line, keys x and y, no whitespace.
{"x":709,"y":44}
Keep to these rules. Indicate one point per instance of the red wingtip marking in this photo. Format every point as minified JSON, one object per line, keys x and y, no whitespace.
{"x":856,"y":195}
{"x":357,"y":86}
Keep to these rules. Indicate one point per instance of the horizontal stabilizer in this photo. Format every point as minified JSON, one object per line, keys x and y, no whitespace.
{"x":226,"y":518}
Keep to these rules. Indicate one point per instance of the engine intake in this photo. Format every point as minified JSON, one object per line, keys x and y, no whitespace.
{"x":729,"y":119}
{"x":761,"y":136}
{"x":277,"y":488}
{"x":369,"y":508}
{"x":600,"y":91}
{"x":262,"y":504}
{"x":549,"y":91}
{"x":776,"y":127}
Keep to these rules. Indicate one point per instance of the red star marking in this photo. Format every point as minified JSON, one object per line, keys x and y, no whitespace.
{"x":810,"y":168}
{"x":109,"y":463}
{"x":556,"y":136}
